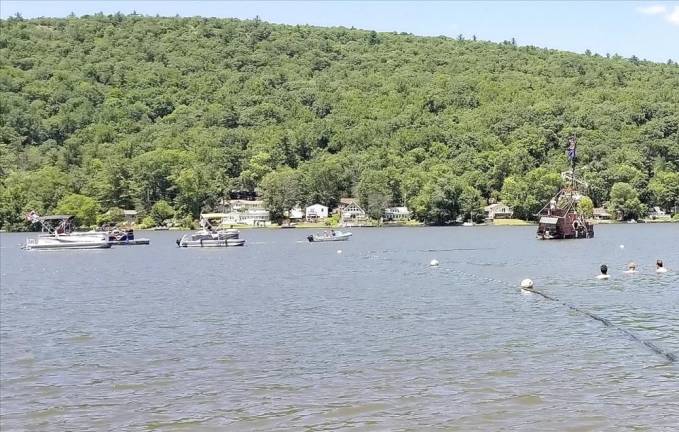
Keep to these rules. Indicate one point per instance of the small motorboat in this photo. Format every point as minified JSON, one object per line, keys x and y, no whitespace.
{"x":468,"y":224}
{"x":328,"y":237}
{"x":57,"y":233}
{"x":123,"y":237}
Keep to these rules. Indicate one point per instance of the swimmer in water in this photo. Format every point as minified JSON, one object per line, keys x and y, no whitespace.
{"x":659,"y":267}
{"x":604,"y":272}
{"x":631,"y":268}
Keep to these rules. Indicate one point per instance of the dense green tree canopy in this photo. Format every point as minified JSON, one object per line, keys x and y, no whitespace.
{"x":84,"y":208}
{"x":625,"y":202}
{"x":131,"y":110}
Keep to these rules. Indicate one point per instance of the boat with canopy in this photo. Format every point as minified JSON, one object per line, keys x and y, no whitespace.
{"x":209,"y":236}
{"x":58,"y":233}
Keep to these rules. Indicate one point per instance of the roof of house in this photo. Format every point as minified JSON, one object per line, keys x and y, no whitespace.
{"x":600,"y":211}
{"x":348,"y":200}
{"x":240,"y":201}
{"x":130,"y":212}
{"x":397,"y":210}
{"x":496,"y":205}
{"x":317,"y":205}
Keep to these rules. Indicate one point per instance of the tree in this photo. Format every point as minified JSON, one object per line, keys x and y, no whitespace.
{"x":84,"y":208}
{"x":258,"y":167}
{"x":325,"y":181}
{"x":218,"y":104}
{"x":665,"y":189}
{"x":374,"y":193}
{"x":193,"y":191}
{"x":471,"y":204}
{"x":113,"y":215}
{"x":161,"y":211}
{"x":586,"y":207}
{"x":625,"y":202}
{"x":439,"y":202}
{"x":281,"y":191}
{"x":529,"y":193}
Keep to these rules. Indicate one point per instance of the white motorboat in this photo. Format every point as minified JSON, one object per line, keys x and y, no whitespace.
{"x":68,"y":242}
{"x":468,"y":224}
{"x":329,"y":236}
{"x":57,"y":233}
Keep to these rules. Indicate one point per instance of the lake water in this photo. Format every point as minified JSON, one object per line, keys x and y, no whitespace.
{"x":287,"y":335}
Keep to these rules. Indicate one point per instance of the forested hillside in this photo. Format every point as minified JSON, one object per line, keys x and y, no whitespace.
{"x":122,"y":111}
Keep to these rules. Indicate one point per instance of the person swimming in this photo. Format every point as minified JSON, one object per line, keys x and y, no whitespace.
{"x":604,"y":272}
{"x":659,"y":268}
{"x":631,"y":268}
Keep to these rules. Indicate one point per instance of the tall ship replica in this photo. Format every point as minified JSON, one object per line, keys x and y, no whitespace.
{"x":559,"y":218}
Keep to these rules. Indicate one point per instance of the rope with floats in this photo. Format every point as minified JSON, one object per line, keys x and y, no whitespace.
{"x":527,"y":285}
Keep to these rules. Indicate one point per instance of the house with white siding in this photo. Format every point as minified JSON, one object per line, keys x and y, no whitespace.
{"x":396,"y":214}
{"x":315,"y":212}
{"x":350,"y":210}
{"x":498,"y":211}
{"x":245,"y":212}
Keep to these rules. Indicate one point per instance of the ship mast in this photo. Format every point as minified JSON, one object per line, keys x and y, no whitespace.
{"x":571,"y":152}
{"x":573,"y":160}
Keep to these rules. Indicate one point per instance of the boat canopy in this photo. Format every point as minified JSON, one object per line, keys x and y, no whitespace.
{"x":57,"y":217}
{"x":212,"y":215}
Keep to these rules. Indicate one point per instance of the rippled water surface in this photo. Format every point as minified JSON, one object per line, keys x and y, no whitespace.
{"x":287,"y":335}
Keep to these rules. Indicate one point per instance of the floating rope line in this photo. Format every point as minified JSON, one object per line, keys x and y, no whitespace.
{"x":669,"y":356}
{"x":650,"y":345}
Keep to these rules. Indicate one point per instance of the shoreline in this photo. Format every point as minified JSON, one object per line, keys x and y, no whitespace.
{"x":499,"y":223}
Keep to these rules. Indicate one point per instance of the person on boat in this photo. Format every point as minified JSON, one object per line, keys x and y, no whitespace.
{"x":604,"y":272}
{"x":659,"y":268}
{"x":631,"y":268}
{"x":332,"y":233}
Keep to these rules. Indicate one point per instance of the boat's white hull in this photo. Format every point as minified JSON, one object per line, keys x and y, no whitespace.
{"x":67,"y":242}
{"x":212,"y":243}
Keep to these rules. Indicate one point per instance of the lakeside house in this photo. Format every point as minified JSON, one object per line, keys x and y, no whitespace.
{"x":244,"y":212}
{"x":315,"y":212}
{"x":600,"y":213}
{"x":396,"y":214}
{"x":130,"y":216}
{"x":498,"y":211}
{"x":351,"y":211}
{"x":295,"y":214}
{"x":657,"y":213}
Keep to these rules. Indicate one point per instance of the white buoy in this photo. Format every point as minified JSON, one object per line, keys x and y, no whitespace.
{"x":622,"y":246}
{"x":527,"y":284}
{"x":434,"y":263}
{"x":339,"y":251}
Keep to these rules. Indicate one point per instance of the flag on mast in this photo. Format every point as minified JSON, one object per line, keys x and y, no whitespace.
{"x":572,"y":143}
